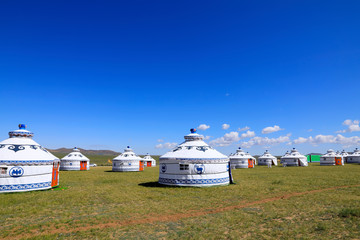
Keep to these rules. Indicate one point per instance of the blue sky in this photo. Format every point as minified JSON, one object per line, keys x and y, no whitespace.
{"x":107,"y":74}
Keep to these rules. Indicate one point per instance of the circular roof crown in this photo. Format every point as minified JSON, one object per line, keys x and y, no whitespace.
{"x":239,"y":150}
{"x":128,"y":149}
{"x":193,"y":136}
{"x":21,"y":132}
{"x":294,"y":150}
{"x":330,"y":151}
{"x":76,"y":150}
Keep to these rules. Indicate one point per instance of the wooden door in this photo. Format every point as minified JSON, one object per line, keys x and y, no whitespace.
{"x":338,"y":161}
{"x":148,"y":163}
{"x":83,"y":165}
{"x":141,"y":167}
{"x":55,"y":174}
{"x":251,"y":163}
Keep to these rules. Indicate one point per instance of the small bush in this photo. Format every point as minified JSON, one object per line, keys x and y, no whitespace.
{"x":350,"y":212}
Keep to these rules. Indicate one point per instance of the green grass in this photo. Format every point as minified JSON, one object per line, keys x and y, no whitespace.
{"x":99,"y":204}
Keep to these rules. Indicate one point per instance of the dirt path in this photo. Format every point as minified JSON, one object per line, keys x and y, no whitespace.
{"x":173,"y":217}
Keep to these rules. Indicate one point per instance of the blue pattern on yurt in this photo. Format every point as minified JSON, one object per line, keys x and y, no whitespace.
{"x":25,"y":161}
{"x":17,"y":187}
{"x":16,"y":172}
{"x":194,"y":181}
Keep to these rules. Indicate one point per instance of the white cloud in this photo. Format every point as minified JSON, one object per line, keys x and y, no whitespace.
{"x":225,"y":126}
{"x":226,"y":140}
{"x":309,"y":130}
{"x":160,"y":140}
{"x":203,"y":127}
{"x":352,"y":126}
{"x":300,"y":140}
{"x":248,"y":134}
{"x":166,"y":145}
{"x":338,"y":139}
{"x":207,"y":137}
{"x":267,"y":130}
{"x":261,"y":141}
{"x":230,"y":138}
{"x":243,"y":129}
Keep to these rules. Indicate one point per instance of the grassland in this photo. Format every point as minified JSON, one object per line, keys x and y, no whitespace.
{"x":278,"y":203}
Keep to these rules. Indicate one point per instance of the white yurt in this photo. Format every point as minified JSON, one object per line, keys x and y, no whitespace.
{"x":344,"y":154}
{"x":241,"y":159}
{"x":331,"y":158}
{"x":294,"y":158}
{"x":194,"y":163}
{"x":267,"y":159}
{"x":25,"y":165}
{"x":285,"y":155}
{"x":128,"y":161}
{"x":74,"y":161}
{"x":354,"y":157}
{"x":149,"y":161}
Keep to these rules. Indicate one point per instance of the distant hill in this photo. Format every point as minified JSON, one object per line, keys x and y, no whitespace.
{"x":84,"y":151}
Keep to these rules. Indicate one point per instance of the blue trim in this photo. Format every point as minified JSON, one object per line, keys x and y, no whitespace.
{"x":194,"y":181}
{"x":25,"y":161}
{"x":24,"y":187}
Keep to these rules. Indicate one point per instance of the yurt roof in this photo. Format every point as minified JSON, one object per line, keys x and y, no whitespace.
{"x":148,"y":157}
{"x":240,"y":154}
{"x":344,"y":153}
{"x":330,"y":153}
{"x":194,"y":149}
{"x":293,"y":154}
{"x":75,"y":155}
{"x":20,"y":148}
{"x":267,"y":155}
{"x":128,"y":155}
{"x":355,"y":153}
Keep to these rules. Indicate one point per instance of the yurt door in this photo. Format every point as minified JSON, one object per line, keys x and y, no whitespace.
{"x":141,"y":167}
{"x":338,"y":161}
{"x":251,"y":163}
{"x":83,"y":165}
{"x":55,"y":174}
{"x":148,"y":163}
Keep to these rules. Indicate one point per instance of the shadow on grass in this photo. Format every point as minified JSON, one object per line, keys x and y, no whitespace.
{"x":155,"y":185}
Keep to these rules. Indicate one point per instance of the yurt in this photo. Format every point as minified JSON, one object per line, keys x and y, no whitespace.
{"x":331,"y":158}
{"x":74,"y":161}
{"x":149,"y":161}
{"x":294,"y":158}
{"x":128,"y":161}
{"x":354,"y":157}
{"x":285,"y":155}
{"x":267,"y":159}
{"x":25,"y":165}
{"x":195,"y":164}
{"x":241,"y":159}
{"x":344,"y":154}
